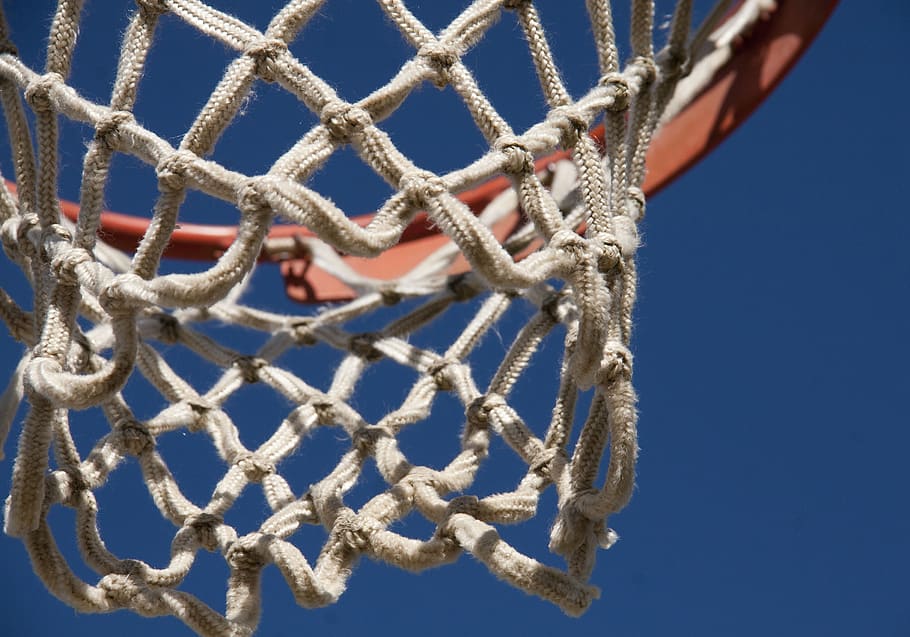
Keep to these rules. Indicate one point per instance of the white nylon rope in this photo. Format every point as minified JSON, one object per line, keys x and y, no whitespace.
{"x":585,"y":284}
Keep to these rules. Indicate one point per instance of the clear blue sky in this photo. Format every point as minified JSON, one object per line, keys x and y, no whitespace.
{"x":771,"y":354}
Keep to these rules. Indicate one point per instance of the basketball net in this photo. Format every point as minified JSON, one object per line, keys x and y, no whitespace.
{"x":579,"y":287}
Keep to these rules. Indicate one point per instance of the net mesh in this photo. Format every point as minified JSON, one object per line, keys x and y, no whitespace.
{"x":100,"y":318}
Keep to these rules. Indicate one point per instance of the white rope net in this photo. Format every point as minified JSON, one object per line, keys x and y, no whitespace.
{"x":99,"y":318}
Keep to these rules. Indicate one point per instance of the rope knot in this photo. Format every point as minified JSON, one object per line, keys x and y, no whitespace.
{"x":362,"y":345}
{"x":302,"y":332}
{"x":622,"y":94}
{"x":351,"y":529}
{"x":254,"y":467}
{"x":645,"y":68}
{"x":202,"y":413}
{"x":64,"y":265}
{"x":609,"y":252}
{"x":626,"y":234}
{"x":635,"y":203}
{"x":6,"y":46}
{"x":51,"y":234}
{"x":171,"y":170}
{"x":478,"y":411}
{"x":109,"y":131}
{"x":514,"y":4}
{"x":441,"y":373}
{"x":390,"y":296}
{"x":343,"y":121}
{"x":674,"y":63}
{"x":65,"y":485}
{"x":542,"y":463}
{"x":126,"y":591}
{"x":325,"y":411}
{"x":441,"y":57}
{"x":133,"y":437}
{"x":204,"y":525}
{"x":15,"y":234}
{"x":117,"y":298}
{"x":518,"y":159}
{"x":264,"y":52}
{"x":154,"y":7}
{"x":463,"y":287}
{"x":246,"y":553}
{"x":554,"y":308}
{"x":249,"y":367}
{"x":615,"y":364}
{"x":38,"y":92}
{"x":251,"y":195}
{"x":364,"y":439}
{"x":425,"y":476}
{"x":421,"y":186}
{"x":570,"y":243}
{"x":570,"y":123}
{"x":467,"y":504}
{"x":168,"y":328}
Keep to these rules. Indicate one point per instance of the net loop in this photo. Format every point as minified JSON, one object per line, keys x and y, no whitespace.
{"x":39,"y":91}
{"x":344,"y":121}
{"x":110,"y":129}
{"x":264,"y":52}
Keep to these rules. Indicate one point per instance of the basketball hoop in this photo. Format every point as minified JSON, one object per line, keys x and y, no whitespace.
{"x":547,"y":218}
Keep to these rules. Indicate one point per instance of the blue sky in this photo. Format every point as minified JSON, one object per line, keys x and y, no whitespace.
{"x":770,"y":344}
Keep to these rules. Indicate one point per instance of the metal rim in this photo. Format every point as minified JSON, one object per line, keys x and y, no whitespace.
{"x":762,"y":60}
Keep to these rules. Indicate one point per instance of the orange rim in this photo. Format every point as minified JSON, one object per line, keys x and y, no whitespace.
{"x":761,"y":61}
